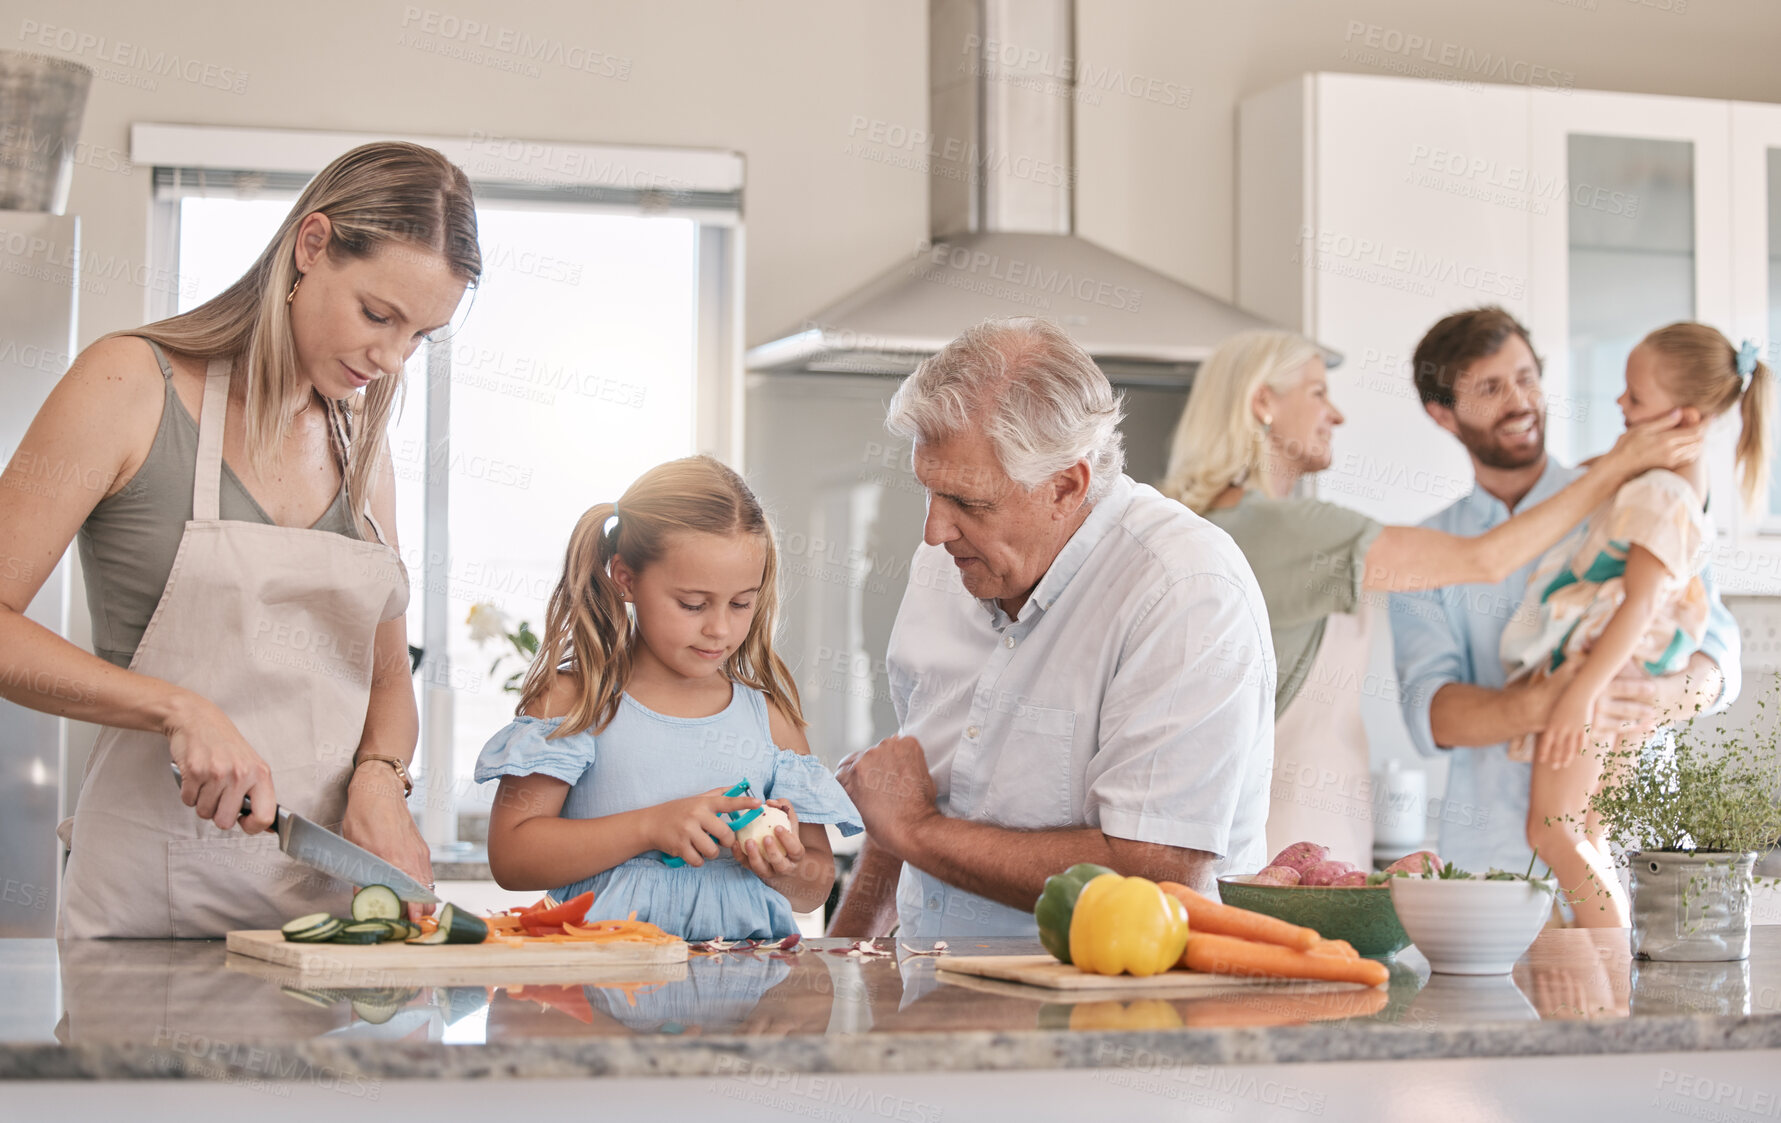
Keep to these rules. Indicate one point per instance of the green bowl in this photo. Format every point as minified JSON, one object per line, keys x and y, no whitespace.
{"x":1362,"y":915}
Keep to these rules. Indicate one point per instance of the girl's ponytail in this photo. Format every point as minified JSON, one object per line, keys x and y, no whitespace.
{"x":1705,"y":371}
{"x":1755,"y":442}
{"x":587,"y":630}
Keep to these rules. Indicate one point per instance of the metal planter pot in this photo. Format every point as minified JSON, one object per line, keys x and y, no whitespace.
{"x":42,"y":100}
{"x":1691,"y":907}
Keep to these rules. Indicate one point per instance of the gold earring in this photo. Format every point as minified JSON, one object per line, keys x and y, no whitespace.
{"x":292,"y":295}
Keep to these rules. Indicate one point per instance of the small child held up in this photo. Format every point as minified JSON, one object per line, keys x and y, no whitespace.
{"x":1627,"y":587}
{"x":656,"y":689}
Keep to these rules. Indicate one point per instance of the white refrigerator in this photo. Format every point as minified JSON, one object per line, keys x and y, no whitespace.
{"x":39,"y":297}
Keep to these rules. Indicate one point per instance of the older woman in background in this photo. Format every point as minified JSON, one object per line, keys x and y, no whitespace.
{"x":1258,"y":420}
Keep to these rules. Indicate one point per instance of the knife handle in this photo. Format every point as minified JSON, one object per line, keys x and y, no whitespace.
{"x":247,"y":805}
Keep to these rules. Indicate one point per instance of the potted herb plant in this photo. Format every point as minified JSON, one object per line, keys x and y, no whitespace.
{"x":1693,"y":819}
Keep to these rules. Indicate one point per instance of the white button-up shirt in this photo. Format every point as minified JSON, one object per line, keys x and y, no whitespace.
{"x":1133,"y":694}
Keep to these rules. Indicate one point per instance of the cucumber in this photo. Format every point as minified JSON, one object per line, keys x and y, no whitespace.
{"x":374,"y":1011}
{"x":305,"y":923}
{"x":363,"y":932}
{"x":436,"y":936}
{"x":376,"y":902}
{"x":320,"y":932}
{"x":460,"y":927}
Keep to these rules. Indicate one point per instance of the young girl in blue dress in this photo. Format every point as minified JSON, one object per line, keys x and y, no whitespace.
{"x":654,"y":691}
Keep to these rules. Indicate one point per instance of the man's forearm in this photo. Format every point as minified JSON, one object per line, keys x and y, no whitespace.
{"x":1010,"y":866}
{"x":868,"y":906}
{"x":1463,"y":716}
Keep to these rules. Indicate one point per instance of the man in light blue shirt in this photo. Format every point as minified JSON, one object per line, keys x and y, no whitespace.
{"x":1479,"y":379}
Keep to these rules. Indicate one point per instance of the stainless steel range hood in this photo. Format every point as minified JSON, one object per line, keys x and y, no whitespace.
{"x":998,"y":153}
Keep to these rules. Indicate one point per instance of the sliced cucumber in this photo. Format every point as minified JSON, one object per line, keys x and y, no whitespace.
{"x":436,"y":936}
{"x":305,"y":923}
{"x":363,"y":932}
{"x":376,"y":902}
{"x":460,"y":927}
{"x":320,"y":932}
{"x":374,"y":1011}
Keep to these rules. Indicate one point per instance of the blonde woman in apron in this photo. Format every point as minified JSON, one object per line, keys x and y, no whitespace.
{"x":1260,"y":418}
{"x":227,"y":474}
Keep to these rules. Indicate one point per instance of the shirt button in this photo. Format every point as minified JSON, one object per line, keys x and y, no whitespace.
{"x":1008,"y":642}
{"x":933,"y":904}
{"x":971,"y":733}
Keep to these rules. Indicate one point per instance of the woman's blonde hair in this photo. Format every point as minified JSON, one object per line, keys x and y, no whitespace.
{"x":1219,"y":441}
{"x":374,"y":195}
{"x":1703,"y":372}
{"x":587,"y":631}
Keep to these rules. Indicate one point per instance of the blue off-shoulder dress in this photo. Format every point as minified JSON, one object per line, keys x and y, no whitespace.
{"x":644,"y":758}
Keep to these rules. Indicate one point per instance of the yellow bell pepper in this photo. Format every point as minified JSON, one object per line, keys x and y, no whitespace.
{"x":1126,"y":925}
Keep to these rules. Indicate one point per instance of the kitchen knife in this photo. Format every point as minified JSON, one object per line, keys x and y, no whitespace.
{"x":335,"y":856}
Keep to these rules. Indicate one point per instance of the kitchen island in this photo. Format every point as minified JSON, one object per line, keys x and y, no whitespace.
{"x":821,"y":1033}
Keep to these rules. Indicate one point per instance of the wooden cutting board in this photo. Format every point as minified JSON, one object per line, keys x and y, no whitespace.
{"x":396,"y":964}
{"x":1046,"y":972}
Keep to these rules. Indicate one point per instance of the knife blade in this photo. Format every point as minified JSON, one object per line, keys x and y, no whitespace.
{"x":322,"y":849}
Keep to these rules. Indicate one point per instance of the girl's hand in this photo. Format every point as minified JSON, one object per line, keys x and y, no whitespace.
{"x":1567,"y":728}
{"x":1662,"y":442}
{"x":218,"y":769}
{"x":377,"y":818}
{"x":779,"y":853}
{"x":690,"y":829}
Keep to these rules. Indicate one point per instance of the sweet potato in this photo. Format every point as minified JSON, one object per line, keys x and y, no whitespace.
{"x":1326,"y":873}
{"x":1301,"y":856}
{"x":1423,"y":861}
{"x":1276,"y":875}
{"x":1349,"y":879}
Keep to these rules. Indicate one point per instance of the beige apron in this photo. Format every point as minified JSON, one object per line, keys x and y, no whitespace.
{"x":1322,"y":789}
{"x":276,"y":627}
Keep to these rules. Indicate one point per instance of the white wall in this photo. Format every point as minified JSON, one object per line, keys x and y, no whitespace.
{"x":778,"y":80}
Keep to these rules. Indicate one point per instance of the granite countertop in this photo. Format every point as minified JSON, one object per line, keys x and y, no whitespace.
{"x":185,"y":1010}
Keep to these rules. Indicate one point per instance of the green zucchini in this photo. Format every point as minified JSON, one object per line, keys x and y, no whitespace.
{"x":460,"y":927}
{"x":363,"y":932}
{"x":373,"y":1010}
{"x":321,"y":932}
{"x":305,"y":924}
{"x":376,"y":902}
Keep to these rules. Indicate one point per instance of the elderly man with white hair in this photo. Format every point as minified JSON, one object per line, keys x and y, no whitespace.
{"x":1081,"y":668}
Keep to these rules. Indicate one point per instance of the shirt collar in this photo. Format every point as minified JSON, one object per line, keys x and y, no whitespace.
{"x":1488,"y":509}
{"x":1069,"y":561}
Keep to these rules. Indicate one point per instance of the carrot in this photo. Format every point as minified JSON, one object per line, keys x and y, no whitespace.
{"x":1335,"y":947}
{"x":1207,"y":915}
{"x":1228,"y":955}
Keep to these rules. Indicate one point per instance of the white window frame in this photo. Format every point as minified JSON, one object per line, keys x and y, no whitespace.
{"x":699,"y":184}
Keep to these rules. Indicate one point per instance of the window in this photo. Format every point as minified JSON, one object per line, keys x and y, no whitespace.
{"x":599,"y":342}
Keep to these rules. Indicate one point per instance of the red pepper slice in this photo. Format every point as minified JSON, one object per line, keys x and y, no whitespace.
{"x":569,"y":912}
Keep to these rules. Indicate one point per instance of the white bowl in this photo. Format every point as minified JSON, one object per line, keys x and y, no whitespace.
{"x":1471,"y":927}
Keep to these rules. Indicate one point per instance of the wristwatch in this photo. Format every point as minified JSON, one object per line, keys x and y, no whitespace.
{"x":400,"y":767}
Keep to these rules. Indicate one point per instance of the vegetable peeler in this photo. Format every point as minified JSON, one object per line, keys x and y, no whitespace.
{"x":737,"y":819}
